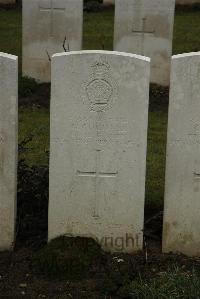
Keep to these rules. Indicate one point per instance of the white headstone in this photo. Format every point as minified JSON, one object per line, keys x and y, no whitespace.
{"x":182,"y":194}
{"x":145,"y":27}
{"x":98,"y":147}
{"x":8,"y":148}
{"x":49,"y":27}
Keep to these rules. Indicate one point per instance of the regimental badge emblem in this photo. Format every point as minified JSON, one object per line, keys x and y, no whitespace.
{"x":100,"y":89}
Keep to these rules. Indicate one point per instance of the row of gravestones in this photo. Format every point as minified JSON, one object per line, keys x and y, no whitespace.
{"x":108,"y":2}
{"x":142,"y":27}
{"x":184,"y":2}
{"x":99,"y":117}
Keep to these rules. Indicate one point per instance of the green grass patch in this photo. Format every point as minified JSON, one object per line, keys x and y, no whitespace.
{"x":117,"y":276}
{"x":27,"y":87}
{"x":186,"y":32}
{"x":11,"y":32}
{"x":98,"y":30}
{"x":71,"y":258}
{"x":156,"y":158}
{"x":98,"y":34}
{"x":175,"y":283}
{"x":34,"y":124}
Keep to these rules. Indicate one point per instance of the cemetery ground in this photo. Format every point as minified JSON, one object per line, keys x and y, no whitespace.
{"x":77,"y":268}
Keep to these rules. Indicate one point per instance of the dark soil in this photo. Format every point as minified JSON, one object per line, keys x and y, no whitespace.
{"x":106,"y":279}
{"x":72,"y":268}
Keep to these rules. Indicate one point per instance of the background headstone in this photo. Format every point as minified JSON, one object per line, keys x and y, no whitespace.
{"x":8,"y":148}
{"x":98,"y":147}
{"x":49,"y":27}
{"x":146,"y":27}
{"x":182,"y":194}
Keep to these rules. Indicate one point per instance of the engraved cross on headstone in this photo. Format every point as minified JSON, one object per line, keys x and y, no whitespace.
{"x":51,"y":8}
{"x":143,"y":32}
{"x":97,"y":175}
{"x":196,"y":181}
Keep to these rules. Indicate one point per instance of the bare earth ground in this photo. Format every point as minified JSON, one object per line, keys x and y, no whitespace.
{"x":77,"y":268}
{"x":18,"y":279}
{"x":32,"y":271}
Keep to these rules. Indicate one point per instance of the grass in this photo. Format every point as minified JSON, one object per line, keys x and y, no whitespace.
{"x":175,"y":283}
{"x":98,"y":30}
{"x":11,"y":32}
{"x":34,"y":124}
{"x":156,"y":159}
{"x":98,"y":34}
{"x":118,"y":276}
{"x":124,"y":277}
{"x":186,"y":32}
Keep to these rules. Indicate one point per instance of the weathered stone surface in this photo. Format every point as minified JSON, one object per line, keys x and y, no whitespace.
{"x":98,"y":147}
{"x":146,"y":27}
{"x":49,"y":27}
{"x":8,"y":149}
{"x":182,"y":194}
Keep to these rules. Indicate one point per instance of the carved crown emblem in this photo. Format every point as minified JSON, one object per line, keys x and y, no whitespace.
{"x":99,"y":89}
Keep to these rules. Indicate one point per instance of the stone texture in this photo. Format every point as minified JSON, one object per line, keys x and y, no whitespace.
{"x":98,"y":147}
{"x":182,"y":194}
{"x":47,"y":25}
{"x":8,"y":148}
{"x":146,"y":27}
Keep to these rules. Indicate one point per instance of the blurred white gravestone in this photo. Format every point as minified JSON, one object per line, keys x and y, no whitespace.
{"x":49,"y":27}
{"x":8,"y":148}
{"x":182,"y":194}
{"x":98,"y":147}
{"x":145,"y":27}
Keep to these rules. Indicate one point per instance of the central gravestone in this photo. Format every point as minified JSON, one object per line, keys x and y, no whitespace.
{"x":145,"y":27}
{"x":49,"y":27}
{"x":98,"y":147}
